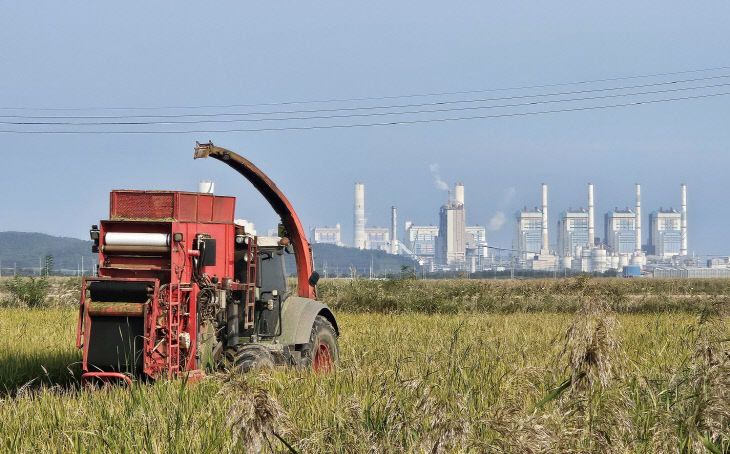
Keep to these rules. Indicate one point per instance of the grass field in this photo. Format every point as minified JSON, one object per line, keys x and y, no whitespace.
{"x":577,"y":379}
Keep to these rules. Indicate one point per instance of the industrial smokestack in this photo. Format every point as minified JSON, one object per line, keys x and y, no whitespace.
{"x":459,"y":193}
{"x":393,"y":230}
{"x":683,"y":250}
{"x":359,"y":218}
{"x":591,"y":225}
{"x":544,"y":249}
{"x":638,"y":218}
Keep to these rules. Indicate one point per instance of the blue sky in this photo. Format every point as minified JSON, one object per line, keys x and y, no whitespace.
{"x":179,"y":53}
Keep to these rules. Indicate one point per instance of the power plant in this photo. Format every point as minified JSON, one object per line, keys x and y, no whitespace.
{"x":579,"y":249}
{"x":452,"y":245}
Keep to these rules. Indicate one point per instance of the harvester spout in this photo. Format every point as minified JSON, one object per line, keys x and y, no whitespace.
{"x":278,"y":202}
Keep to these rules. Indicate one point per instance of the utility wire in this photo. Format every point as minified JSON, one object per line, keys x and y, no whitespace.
{"x":361,"y":125}
{"x":511,"y":250}
{"x":375,"y":98}
{"x":349,"y":109}
{"x":371,"y":114}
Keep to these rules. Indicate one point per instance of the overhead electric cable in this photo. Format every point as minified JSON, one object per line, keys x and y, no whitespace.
{"x":371,"y":114}
{"x":360,"y":125}
{"x":374,"y":98}
{"x":349,"y":109}
{"x":512,"y":250}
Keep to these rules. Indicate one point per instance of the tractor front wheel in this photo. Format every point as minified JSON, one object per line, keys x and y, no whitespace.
{"x":247,"y":357}
{"x":322,"y":352}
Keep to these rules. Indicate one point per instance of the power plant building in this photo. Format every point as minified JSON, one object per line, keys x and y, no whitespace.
{"x":579,"y":248}
{"x":328,"y":235}
{"x":451,"y":240}
{"x":528,"y":233}
{"x":476,"y":235}
{"x":621,"y":231}
{"x":665,"y":235}
{"x":422,"y":239}
{"x":377,"y":238}
{"x":573,"y":232}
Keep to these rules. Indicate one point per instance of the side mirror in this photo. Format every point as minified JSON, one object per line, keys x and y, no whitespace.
{"x":314,"y":278}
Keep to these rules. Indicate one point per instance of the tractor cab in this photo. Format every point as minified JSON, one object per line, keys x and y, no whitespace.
{"x":271,"y":286}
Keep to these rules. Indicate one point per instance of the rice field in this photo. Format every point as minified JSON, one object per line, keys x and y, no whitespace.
{"x":588,"y":380}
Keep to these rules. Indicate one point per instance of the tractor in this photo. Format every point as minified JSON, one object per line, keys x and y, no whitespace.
{"x":182,"y":290}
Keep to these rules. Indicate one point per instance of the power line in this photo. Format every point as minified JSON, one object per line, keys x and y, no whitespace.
{"x":347,"y":109}
{"x":511,"y":250}
{"x":375,"y":98}
{"x":361,"y":125}
{"x":371,"y":114}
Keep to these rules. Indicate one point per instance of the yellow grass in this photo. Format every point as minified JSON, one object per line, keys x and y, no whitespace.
{"x":406,"y":383}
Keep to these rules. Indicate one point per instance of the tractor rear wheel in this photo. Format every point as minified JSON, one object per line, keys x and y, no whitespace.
{"x":322,"y":352}
{"x":246,"y":357}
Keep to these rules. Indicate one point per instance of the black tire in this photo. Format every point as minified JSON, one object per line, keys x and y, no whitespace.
{"x":323,"y":340}
{"x":247,"y":357}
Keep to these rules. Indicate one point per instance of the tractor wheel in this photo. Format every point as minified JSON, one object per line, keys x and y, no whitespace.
{"x":246,"y":357}
{"x":322,"y":352}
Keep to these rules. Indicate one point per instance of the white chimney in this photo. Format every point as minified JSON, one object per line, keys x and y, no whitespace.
{"x":359,"y":217}
{"x":591,"y":225}
{"x":683,"y":250}
{"x":393,"y":230}
{"x":638,"y":218}
{"x":459,"y":193}
{"x":206,"y":187}
{"x":544,"y":249}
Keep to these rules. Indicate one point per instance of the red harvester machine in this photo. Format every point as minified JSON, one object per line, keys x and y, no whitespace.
{"x":181,"y":289}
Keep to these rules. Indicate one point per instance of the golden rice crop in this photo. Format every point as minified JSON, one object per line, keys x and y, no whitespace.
{"x":596,"y":380}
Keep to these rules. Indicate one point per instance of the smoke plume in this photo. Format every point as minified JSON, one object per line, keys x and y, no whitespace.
{"x":497,"y":221}
{"x":440,"y":184}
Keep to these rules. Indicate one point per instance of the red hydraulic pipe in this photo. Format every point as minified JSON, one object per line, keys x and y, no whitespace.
{"x":278,"y":202}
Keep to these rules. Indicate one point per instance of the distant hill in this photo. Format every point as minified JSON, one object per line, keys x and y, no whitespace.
{"x":24,"y":249}
{"x":338,"y":260}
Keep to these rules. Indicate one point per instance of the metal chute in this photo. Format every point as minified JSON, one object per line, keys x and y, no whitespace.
{"x":278,"y":202}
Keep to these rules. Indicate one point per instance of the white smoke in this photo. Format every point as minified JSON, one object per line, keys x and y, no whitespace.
{"x":497,"y":221}
{"x":440,"y":184}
